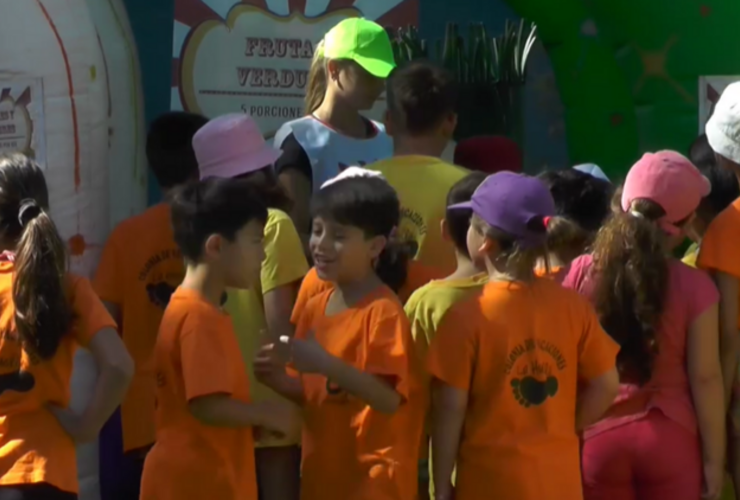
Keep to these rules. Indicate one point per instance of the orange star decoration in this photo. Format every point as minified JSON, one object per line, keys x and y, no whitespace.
{"x":654,"y":66}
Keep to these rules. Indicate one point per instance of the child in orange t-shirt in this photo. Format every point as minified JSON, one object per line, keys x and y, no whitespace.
{"x":506,"y":363}
{"x":139,"y":268}
{"x":358,"y":382}
{"x":45,"y":314}
{"x":416,"y":274}
{"x":204,"y":419}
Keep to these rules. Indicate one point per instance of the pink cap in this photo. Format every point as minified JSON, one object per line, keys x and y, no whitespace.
{"x":230,"y":146}
{"x":670,"y":180}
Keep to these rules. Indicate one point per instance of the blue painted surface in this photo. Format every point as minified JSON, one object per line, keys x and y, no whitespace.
{"x":151,"y":22}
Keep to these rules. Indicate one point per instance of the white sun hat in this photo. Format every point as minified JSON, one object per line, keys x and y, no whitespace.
{"x":723,"y":127}
{"x":350,"y":172}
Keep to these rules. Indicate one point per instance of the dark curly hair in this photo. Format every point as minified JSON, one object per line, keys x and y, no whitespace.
{"x":631,"y":268}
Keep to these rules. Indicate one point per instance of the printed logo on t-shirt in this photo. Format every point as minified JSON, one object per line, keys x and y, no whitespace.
{"x":159,"y":278}
{"x":412,"y":229}
{"x":15,"y":362}
{"x":532,"y":367}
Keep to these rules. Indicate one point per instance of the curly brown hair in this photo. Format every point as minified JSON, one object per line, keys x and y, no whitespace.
{"x":630,"y":256}
{"x":520,"y":262}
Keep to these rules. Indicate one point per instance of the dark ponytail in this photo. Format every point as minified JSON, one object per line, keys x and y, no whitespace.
{"x":631,"y":270}
{"x":392,"y":265}
{"x":43,"y":313}
{"x":566,"y":240}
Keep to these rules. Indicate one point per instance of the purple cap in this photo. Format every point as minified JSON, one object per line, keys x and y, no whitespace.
{"x":510,"y":202}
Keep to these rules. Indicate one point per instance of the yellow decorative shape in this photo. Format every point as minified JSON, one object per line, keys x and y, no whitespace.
{"x":654,"y":64}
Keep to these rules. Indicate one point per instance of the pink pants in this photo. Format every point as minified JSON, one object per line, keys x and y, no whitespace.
{"x":653,"y":458}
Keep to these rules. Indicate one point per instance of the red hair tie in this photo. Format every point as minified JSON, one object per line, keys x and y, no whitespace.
{"x":546,"y":220}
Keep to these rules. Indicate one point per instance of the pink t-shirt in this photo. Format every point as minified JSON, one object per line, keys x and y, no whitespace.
{"x":690,"y":293}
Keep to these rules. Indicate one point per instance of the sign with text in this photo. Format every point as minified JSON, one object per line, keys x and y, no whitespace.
{"x":254,"y":56}
{"x":22,"y":118}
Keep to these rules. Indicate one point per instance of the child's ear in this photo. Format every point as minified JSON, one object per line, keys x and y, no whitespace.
{"x":388,"y":123}
{"x":377,"y":244}
{"x":487,"y":247}
{"x":213,"y":245}
{"x":443,"y":227}
{"x":449,"y":125}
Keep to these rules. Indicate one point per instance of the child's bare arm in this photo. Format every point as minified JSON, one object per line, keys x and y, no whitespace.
{"x":270,"y":370}
{"x":220,"y":410}
{"x":448,"y":415}
{"x":371,"y":389}
{"x":729,"y":340}
{"x":288,"y":387}
{"x":597,"y":395}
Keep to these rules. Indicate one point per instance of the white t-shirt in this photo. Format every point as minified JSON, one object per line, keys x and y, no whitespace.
{"x":314,"y":148}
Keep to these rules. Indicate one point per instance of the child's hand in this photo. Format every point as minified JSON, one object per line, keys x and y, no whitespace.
{"x":268,"y":363}
{"x":714,"y":481}
{"x":447,"y":494}
{"x":306,"y":355}
{"x":73,"y":424}
{"x":280,"y":419}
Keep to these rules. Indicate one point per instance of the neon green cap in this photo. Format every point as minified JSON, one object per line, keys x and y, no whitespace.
{"x":362,"y":41}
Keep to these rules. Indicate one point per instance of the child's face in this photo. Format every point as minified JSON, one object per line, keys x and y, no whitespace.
{"x":358,"y":87}
{"x":241,"y":259}
{"x":342,"y":253}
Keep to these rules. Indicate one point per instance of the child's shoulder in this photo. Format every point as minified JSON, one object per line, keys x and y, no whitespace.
{"x":149,"y":222}
{"x":383,"y":303}
{"x":727,"y":220}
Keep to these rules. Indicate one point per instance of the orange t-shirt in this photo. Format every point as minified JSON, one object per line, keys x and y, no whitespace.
{"x":197,"y":354}
{"x":139,"y":269}
{"x":351,"y":452}
{"x":720,"y":242}
{"x":519,"y":351}
{"x":417,"y":276}
{"x":33,"y":446}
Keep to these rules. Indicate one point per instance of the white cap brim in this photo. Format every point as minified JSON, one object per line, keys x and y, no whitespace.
{"x":720,"y":142}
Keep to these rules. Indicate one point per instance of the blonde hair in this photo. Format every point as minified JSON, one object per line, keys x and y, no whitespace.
{"x":519,"y":262}
{"x":317,"y":80}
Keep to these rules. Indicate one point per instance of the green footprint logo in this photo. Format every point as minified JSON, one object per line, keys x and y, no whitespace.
{"x":529,"y":391}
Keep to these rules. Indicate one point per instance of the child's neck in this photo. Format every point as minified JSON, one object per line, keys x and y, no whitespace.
{"x":465,"y":269}
{"x":354,"y":291}
{"x":501,"y":273}
{"x":199,"y":277}
{"x":343,"y":119}
{"x":421,"y":146}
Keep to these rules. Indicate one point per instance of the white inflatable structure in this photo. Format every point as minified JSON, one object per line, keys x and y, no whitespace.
{"x":126,"y":160}
{"x":58,"y":103}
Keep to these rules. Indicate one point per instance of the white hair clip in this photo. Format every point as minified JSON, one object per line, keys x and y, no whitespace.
{"x":351,"y":172}
{"x":635,"y":213}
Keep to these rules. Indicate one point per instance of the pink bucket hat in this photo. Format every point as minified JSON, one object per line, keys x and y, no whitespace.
{"x":670,"y":180}
{"x":230,"y":146}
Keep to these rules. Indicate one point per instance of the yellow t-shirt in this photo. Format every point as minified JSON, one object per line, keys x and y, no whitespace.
{"x":422,"y":184}
{"x":689,"y":258}
{"x":284,"y":263}
{"x":428,"y":305}
{"x":425,"y":309}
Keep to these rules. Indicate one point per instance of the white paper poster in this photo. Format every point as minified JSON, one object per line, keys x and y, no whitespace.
{"x":710,"y":88}
{"x":22,"y":118}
